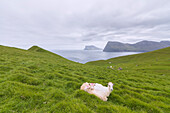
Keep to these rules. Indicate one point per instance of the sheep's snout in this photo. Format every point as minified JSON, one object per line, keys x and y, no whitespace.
{"x":111,"y":89}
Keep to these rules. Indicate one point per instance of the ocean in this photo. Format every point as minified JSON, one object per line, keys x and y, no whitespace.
{"x":83,"y":56}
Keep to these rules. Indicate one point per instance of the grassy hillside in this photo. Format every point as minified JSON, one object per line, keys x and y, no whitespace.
{"x":36,"y":80}
{"x":155,"y":62}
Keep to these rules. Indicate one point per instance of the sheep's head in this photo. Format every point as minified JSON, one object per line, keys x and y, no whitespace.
{"x":85,"y":86}
{"x":110,"y":85}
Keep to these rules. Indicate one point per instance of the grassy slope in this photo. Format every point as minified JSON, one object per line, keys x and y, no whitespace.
{"x":40,"y":81}
{"x":155,"y":62}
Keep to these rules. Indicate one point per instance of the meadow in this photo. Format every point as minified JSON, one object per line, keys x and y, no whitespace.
{"x":39,"y":81}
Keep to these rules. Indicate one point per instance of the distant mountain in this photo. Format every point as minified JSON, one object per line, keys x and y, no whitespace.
{"x":143,"y":46}
{"x":91,"y":47}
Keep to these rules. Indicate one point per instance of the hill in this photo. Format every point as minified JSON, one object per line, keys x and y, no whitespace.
{"x":37,"y":80}
{"x":149,"y":60}
{"x":143,"y":46}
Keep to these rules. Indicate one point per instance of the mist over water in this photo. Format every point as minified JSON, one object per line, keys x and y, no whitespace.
{"x":83,"y":56}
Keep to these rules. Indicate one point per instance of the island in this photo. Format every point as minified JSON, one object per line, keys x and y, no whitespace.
{"x":142,"y":46}
{"x":92,"y":47}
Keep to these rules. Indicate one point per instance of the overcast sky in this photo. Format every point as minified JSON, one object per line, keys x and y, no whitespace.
{"x":72,"y":24}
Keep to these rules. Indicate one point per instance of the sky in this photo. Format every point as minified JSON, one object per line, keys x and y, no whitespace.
{"x":73,"y":24}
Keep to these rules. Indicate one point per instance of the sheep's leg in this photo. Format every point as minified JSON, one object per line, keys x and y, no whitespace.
{"x":98,"y":96}
{"x":104,"y":98}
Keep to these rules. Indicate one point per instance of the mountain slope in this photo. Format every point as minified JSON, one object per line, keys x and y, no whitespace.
{"x":36,"y":80}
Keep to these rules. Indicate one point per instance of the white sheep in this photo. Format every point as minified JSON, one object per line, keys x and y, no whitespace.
{"x":97,"y":89}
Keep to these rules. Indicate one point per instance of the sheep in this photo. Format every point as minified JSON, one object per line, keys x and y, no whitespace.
{"x":98,"y":90}
{"x":119,"y":68}
{"x":110,"y":67}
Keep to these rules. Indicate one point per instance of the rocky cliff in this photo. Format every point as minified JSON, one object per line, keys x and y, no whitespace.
{"x":143,"y":46}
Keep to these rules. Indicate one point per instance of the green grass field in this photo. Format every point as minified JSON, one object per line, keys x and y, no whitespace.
{"x":39,"y":81}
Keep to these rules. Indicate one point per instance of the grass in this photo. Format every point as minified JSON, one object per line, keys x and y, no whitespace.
{"x":37,"y":80}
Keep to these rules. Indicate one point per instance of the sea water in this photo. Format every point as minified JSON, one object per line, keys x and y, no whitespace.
{"x":83,"y":56}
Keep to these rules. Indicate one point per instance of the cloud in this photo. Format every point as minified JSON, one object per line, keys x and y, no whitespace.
{"x":72,"y":24}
